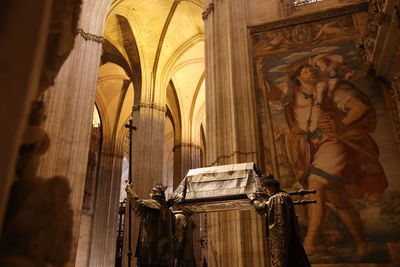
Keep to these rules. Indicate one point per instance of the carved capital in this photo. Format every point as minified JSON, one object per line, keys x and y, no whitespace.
{"x":90,"y":37}
{"x":183,"y":144}
{"x":149,"y":105}
{"x":208,"y":10}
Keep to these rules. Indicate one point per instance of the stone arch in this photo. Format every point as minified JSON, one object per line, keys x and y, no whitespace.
{"x":170,"y":67}
{"x":174,"y":111}
{"x":169,"y":141}
{"x":203,"y":145}
{"x":112,"y":54}
{"x":131,"y":48}
{"x":192,"y":108}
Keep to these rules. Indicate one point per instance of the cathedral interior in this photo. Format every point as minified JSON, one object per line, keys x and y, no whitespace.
{"x":204,"y":83}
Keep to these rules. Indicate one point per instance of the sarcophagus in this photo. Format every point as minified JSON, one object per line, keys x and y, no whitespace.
{"x":217,"y":188}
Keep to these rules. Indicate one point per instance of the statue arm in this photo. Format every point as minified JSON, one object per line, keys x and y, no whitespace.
{"x":261,"y":206}
{"x":259,"y":203}
{"x":133,"y":198}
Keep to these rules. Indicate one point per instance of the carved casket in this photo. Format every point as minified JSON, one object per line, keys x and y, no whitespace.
{"x":218,"y":188}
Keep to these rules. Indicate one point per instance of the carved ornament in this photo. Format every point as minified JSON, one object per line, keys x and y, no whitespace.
{"x":304,"y":35}
{"x":182,"y":144}
{"x":374,"y":22}
{"x":149,"y":105}
{"x":359,"y":7}
{"x":208,"y":10}
{"x":90,"y":37}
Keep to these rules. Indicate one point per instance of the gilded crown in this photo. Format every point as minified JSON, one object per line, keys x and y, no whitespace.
{"x":160,"y":187}
{"x":267,"y":179}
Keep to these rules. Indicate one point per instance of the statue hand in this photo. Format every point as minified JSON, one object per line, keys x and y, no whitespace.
{"x":130,"y":193}
{"x":251,"y":196}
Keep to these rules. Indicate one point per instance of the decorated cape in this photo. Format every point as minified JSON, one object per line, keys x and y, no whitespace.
{"x":184,"y":253}
{"x":285,"y":246}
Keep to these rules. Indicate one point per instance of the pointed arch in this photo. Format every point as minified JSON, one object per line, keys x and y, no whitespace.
{"x":132,"y":51}
{"x":166,"y":72}
{"x":196,"y":93}
{"x":174,"y":107}
{"x":113,"y":55}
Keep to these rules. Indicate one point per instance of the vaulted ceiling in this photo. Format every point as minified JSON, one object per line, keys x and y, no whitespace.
{"x":159,"y":45}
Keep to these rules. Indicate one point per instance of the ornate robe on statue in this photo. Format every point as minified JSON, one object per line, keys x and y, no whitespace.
{"x":350,"y":158}
{"x":155,"y":242}
{"x":285,"y":246}
{"x":184,"y":254}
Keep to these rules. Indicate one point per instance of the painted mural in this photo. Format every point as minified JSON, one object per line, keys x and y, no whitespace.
{"x":325,"y":127}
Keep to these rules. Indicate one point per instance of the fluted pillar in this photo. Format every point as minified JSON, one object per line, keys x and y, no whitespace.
{"x":70,"y":108}
{"x":86,"y":222}
{"x":234,"y":238}
{"x":147,"y":160}
{"x":108,"y":184}
{"x":148,"y":144}
{"x":195,"y":156}
{"x":182,"y":161}
{"x":198,"y":219}
{"x":105,"y":221}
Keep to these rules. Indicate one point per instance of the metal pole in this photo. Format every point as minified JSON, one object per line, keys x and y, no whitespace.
{"x":265,"y":87}
{"x":131,"y":127}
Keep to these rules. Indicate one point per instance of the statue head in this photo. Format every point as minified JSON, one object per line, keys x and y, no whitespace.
{"x":157,"y":191}
{"x":269,"y":184}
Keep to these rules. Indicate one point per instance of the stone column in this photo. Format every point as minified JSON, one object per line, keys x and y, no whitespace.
{"x":148,"y":144}
{"x":182,"y":162}
{"x":86,"y":222}
{"x":70,"y":108}
{"x":147,"y":160}
{"x":234,"y":238}
{"x":22,"y":51}
{"x":199,"y":232}
{"x":108,"y":184}
{"x":105,"y":220}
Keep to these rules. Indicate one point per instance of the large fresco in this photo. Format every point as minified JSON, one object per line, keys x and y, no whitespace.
{"x":325,"y":126}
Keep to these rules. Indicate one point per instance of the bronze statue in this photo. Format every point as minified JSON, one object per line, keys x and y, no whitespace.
{"x":183,"y":245}
{"x":285,"y":246}
{"x":155,"y":242}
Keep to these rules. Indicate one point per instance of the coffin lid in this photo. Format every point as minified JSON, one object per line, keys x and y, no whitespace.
{"x":227,"y":183}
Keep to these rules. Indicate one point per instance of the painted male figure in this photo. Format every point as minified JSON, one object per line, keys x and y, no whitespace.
{"x":331,"y":150}
{"x":285,"y":245}
{"x":155,"y":242}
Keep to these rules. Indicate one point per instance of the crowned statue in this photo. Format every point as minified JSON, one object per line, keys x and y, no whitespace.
{"x":155,"y":241}
{"x":276,"y":205}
